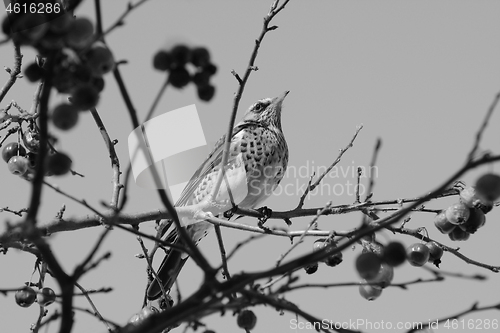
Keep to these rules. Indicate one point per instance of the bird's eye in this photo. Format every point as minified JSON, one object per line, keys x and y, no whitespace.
{"x":259,"y":107}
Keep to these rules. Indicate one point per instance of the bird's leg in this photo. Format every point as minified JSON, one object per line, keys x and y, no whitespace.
{"x":265,"y":215}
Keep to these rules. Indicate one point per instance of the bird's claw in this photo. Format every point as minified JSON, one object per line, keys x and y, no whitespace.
{"x":230,"y":213}
{"x":265,"y":215}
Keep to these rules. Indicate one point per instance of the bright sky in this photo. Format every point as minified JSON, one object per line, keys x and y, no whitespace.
{"x":419,"y":75}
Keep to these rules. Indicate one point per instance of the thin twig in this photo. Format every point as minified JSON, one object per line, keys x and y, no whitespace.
{"x":120,"y":21}
{"x":481,"y":129}
{"x":150,"y":268}
{"x":158,"y":96}
{"x":337,"y":160}
{"x":16,"y":212}
{"x":306,"y":191}
{"x":94,"y":308}
{"x":373,"y":163}
{"x":115,"y":162}
{"x":18,"y":57}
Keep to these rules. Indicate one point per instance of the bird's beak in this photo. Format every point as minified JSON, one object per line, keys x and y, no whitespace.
{"x":278,"y":100}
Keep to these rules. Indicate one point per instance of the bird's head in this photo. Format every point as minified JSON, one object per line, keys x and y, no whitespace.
{"x":266,"y":111}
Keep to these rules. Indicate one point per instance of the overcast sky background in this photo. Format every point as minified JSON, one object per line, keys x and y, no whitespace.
{"x":418,"y":75}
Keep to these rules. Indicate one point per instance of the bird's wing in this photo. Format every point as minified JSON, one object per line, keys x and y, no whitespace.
{"x":213,"y":159}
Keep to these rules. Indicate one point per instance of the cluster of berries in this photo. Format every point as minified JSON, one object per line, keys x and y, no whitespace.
{"x":21,"y":160}
{"x":375,"y":265}
{"x":79,"y":59}
{"x":26,"y":296}
{"x":175,"y":62}
{"x":466,"y":216}
{"x":332,"y":260}
{"x":419,"y":253}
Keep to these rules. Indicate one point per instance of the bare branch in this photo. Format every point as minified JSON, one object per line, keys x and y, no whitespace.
{"x":115,"y":162}
{"x":130,"y":7}
{"x":18,"y":57}
{"x":337,"y":160}
{"x":94,"y":308}
{"x":373,"y":163}
{"x":481,"y":130}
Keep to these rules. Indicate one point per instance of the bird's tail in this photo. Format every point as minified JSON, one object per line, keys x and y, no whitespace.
{"x":168,"y":272}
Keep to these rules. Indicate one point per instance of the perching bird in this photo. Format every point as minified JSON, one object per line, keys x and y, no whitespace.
{"x":258,"y":144}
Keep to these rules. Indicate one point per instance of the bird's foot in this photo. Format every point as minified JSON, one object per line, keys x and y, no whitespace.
{"x":265,"y":213}
{"x":230,"y":213}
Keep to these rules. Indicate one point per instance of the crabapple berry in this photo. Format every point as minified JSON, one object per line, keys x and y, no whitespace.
{"x":210,"y":68}
{"x":476,"y":220}
{"x":488,"y":186}
{"x":206,"y":92}
{"x":181,"y":54}
{"x":319,"y":244}
{"x":179,"y":77}
{"x":98,"y":83}
{"x":417,"y":254}
{"x":384,"y":276}
{"x":162,"y":60}
{"x":80,"y":33}
{"x":442,"y":223}
{"x":46,"y":296}
{"x":311,"y":269}
{"x":60,"y":24}
{"x":246,"y":319}
{"x":459,"y":235}
{"x":65,"y":116}
{"x":472,"y":199}
{"x":394,"y":254}
{"x":12,"y":149}
{"x":25,"y":297}
{"x":435,"y":252}
{"x":18,"y":165}
{"x":32,"y":160}
{"x":200,"y":56}
{"x":201,"y":78}
{"x":469,"y":197}
{"x":58,"y":164}
{"x":31,"y":140}
{"x":100,"y":59}
{"x":33,"y":72}
{"x":368,"y":265}
{"x":332,"y":260}
{"x":458,"y":213}
{"x":368,"y":291}
{"x":85,"y":97}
